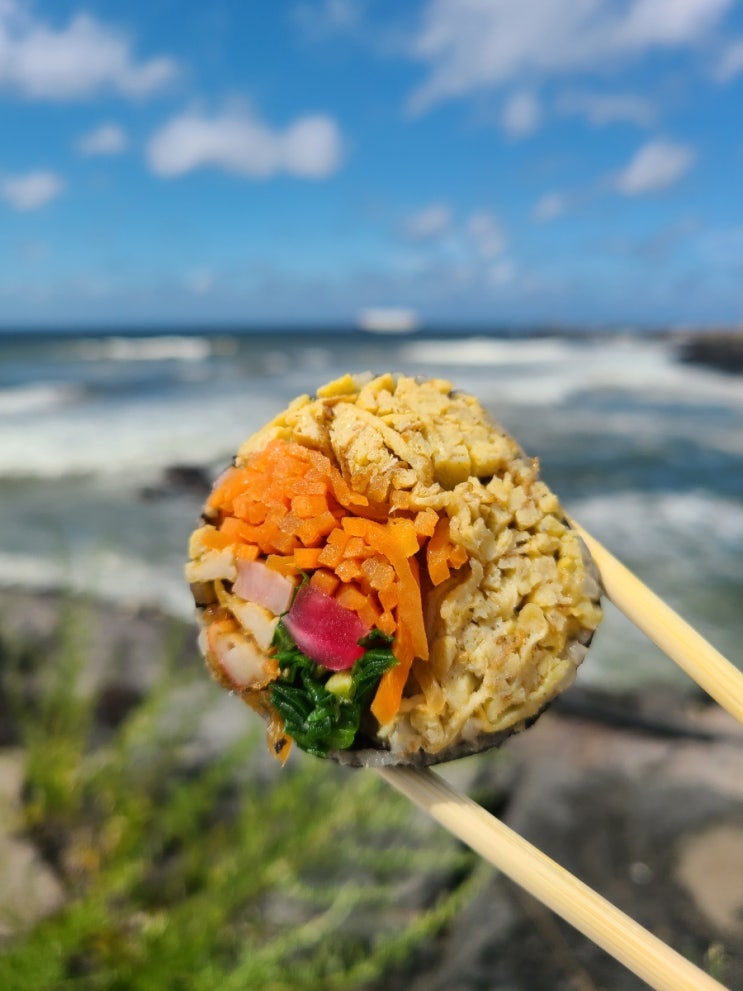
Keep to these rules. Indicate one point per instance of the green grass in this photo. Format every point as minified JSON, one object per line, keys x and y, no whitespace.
{"x":189,"y":876}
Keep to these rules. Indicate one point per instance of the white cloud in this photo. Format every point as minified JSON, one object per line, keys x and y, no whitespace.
{"x":45,"y":62}
{"x":241,"y":143}
{"x":471,"y":45}
{"x":654,"y":166}
{"x":32,"y":190}
{"x":731,"y":62}
{"x":320,"y":21}
{"x":486,"y":233}
{"x":430,"y":222}
{"x":549,"y":207}
{"x":468,"y":249}
{"x":668,"y":22}
{"x":108,"y":139}
{"x":608,"y":108}
{"x":522,"y":115}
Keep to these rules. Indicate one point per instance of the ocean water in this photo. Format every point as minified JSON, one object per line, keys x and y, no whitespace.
{"x":645,"y":451}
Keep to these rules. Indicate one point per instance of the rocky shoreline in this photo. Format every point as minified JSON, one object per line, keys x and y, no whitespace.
{"x":721,"y":350}
{"x":641,"y":796}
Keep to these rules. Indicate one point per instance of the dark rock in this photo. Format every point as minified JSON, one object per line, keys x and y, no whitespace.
{"x":114,"y":703}
{"x":183,"y":479}
{"x":722,"y":351}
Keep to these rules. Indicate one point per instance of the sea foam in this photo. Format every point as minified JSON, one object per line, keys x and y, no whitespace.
{"x":41,"y":396}
{"x":161,"y":348}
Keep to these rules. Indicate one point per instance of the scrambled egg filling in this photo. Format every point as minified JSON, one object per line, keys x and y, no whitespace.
{"x":507,"y":631}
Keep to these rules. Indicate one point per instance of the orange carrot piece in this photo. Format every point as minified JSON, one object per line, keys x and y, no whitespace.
{"x":284,"y":565}
{"x":370,"y":612}
{"x":310,"y":532}
{"x":405,"y":536}
{"x":355,"y":526}
{"x":425,"y":522}
{"x":247,"y":552}
{"x":228,"y":486}
{"x":410,"y":608}
{"x":378,"y":572}
{"x":350,"y":597}
{"x":309,"y":506}
{"x":330,"y":556}
{"x":214,"y":539}
{"x":386,"y":623}
{"x":338,"y":538}
{"x":274,"y":539}
{"x":437,"y":552}
{"x":325,"y":581}
{"x":236,"y":530}
{"x":348,"y":569}
{"x":389,"y":596}
{"x":388,"y":696}
{"x":307,"y":558}
{"x":311,"y":484}
{"x":355,"y":547}
{"x":254,"y":512}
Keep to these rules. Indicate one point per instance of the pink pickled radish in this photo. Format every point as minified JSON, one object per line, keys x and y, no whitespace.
{"x":325,"y":631}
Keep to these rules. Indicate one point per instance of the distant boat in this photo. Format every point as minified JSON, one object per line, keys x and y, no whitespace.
{"x":388,"y":320}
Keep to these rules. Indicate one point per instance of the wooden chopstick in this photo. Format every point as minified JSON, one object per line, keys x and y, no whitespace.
{"x":675,"y":637}
{"x":661,"y":967}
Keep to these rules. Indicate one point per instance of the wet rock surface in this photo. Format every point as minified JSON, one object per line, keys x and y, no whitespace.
{"x":29,"y":888}
{"x":640,"y":796}
{"x":720,"y":350}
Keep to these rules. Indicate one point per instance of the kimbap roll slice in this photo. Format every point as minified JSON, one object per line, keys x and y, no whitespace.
{"x":384,"y":577}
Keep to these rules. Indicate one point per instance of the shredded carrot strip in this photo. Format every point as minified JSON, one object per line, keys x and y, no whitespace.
{"x":388,"y":696}
{"x":442,"y":554}
{"x":437,"y":552}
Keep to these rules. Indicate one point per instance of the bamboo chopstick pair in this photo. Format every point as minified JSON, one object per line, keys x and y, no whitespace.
{"x":660,"y":966}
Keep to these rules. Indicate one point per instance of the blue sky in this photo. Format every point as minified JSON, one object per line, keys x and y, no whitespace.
{"x":477,"y":161}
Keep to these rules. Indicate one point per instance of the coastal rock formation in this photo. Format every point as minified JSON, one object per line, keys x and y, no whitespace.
{"x":720,"y":350}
